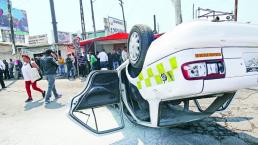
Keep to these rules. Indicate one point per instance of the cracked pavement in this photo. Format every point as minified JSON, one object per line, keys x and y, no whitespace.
{"x":37,"y":124}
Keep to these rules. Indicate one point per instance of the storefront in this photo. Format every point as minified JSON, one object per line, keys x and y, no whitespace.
{"x":109,"y":43}
{"x":37,"y":51}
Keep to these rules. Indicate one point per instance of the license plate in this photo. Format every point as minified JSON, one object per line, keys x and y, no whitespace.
{"x":251,"y":62}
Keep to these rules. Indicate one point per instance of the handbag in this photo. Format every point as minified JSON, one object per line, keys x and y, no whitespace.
{"x":36,"y":75}
{"x":41,"y":76}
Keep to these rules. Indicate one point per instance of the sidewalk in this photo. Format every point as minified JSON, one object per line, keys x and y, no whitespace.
{"x":36,"y":124}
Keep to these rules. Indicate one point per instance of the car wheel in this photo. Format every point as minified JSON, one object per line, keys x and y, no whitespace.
{"x":140,"y":38}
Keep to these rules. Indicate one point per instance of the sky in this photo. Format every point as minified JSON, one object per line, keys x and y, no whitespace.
{"x":136,"y":12}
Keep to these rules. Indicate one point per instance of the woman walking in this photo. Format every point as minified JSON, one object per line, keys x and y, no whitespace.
{"x":27,"y":71}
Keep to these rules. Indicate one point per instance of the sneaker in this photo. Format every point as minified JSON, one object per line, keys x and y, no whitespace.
{"x":47,"y":102}
{"x":44,"y":94}
{"x":58,"y":96}
{"x":28,"y":100}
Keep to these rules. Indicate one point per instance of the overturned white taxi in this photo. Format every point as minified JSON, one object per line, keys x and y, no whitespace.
{"x":196,"y":60}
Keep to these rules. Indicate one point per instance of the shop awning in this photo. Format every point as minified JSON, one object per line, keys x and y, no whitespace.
{"x":114,"y":37}
{"x":117,"y":36}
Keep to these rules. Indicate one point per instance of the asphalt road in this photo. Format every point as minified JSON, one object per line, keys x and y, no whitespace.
{"x":36,"y":124}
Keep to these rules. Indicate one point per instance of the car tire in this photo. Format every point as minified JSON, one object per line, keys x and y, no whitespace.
{"x":140,"y":38}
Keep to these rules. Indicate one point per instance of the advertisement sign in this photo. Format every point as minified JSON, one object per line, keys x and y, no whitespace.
{"x":6,"y":37}
{"x":38,"y":40}
{"x":4,"y":22}
{"x":76,"y":45}
{"x":64,"y":37}
{"x":20,"y":21}
{"x":113,"y":25}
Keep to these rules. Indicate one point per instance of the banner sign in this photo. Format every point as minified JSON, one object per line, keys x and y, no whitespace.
{"x":64,"y":37}
{"x":5,"y":36}
{"x":38,"y":40}
{"x":113,"y":25}
{"x":77,"y":46}
{"x":20,"y":21}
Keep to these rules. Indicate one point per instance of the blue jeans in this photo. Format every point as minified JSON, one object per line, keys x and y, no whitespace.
{"x":70,"y":72}
{"x":51,"y":87}
{"x":104,"y":64}
{"x":115,"y":65}
{"x":61,"y":70}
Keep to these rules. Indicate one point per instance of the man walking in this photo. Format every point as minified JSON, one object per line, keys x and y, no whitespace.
{"x":50,"y":67}
{"x":2,"y":68}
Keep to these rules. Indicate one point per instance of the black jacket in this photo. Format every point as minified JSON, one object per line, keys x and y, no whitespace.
{"x":49,"y":65}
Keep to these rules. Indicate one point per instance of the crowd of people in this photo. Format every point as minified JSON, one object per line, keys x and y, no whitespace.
{"x":110,"y":61}
{"x":10,"y":69}
{"x":51,"y":65}
{"x":89,"y":62}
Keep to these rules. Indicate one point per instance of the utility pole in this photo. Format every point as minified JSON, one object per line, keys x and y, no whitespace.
{"x":236,"y":10}
{"x":155,"y":24}
{"x":94,"y":26}
{"x":82,"y":21}
{"x":193,"y":11}
{"x":122,"y":6}
{"x":11,"y":26}
{"x":93,"y":18}
{"x":54,"y":23}
{"x":178,"y":12}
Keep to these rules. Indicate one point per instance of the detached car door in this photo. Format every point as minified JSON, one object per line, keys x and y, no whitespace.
{"x":98,"y":107}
